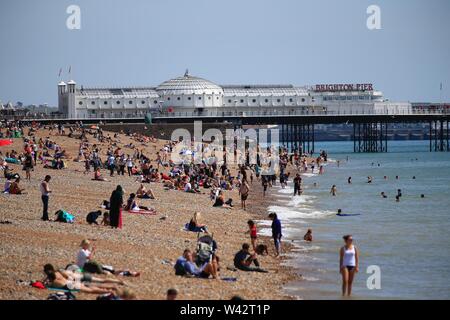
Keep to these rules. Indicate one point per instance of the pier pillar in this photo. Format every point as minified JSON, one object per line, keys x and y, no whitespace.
{"x":439,"y":138}
{"x":370,"y":137}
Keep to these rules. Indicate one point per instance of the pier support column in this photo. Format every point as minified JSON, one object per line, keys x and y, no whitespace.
{"x":370,"y":137}
{"x":439,"y":138}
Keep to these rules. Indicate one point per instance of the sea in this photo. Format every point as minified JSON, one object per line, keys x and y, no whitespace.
{"x":405,"y":244}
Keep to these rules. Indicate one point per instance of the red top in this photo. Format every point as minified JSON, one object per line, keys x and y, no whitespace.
{"x":253,"y":231}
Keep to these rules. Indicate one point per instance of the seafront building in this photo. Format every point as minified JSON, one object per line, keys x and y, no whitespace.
{"x":188,"y":94}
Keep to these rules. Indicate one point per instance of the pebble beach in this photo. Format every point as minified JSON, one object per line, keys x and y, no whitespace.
{"x":149,"y":244}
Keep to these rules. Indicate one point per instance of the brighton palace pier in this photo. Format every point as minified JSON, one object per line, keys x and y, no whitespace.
{"x":199,"y":97}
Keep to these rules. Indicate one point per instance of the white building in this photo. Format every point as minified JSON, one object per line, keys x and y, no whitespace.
{"x":196,"y":96}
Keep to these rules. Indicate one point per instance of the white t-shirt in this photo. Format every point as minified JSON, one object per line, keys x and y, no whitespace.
{"x":187,"y":187}
{"x":83,"y":257}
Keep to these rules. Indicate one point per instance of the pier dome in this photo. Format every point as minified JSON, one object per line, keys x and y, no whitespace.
{"x":190,"y":91}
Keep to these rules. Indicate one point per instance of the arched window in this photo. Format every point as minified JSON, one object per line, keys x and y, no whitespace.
{"x":143,"y":102}
{"x":130,"y":102}
{"x":105,"y":102}
{"x":80,"y":103}
{"x":118,"y":102}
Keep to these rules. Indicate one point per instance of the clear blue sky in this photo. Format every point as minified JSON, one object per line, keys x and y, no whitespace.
{"x":144,"y":42}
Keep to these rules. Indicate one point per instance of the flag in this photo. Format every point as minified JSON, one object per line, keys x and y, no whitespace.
{"x":60,"y":71}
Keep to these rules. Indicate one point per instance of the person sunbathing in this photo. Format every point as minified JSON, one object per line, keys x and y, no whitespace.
{"x":85,"y":261}
{"x":82,"y":277}
{"x":132,"y":204}
{"x":220,"y":201}
{"x":195,"y":226}
{"x":144,"y":194}
{"x":57,"y":280}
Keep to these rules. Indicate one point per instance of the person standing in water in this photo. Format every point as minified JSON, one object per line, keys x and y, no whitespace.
{"x":308,"y":236}
{"x":349,"y":264}
{"x":276,"y":232}
{"x":333,"y":190}
{"x":297,"y":184}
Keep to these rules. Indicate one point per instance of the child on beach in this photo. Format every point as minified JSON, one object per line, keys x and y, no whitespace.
{"x":253,"y":233}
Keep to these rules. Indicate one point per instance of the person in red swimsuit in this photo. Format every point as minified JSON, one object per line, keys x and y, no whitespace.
{"x":253,"y":233}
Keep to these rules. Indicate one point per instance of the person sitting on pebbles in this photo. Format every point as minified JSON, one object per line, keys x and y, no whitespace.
{"x":144,"y":194}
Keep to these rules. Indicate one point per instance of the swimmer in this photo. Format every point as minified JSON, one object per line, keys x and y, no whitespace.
{"x":397,"y":198}
{"x":308,"y":236}
{"x":369,"y":179}
{"x":349,"y":180}
{"x":383,"y":195}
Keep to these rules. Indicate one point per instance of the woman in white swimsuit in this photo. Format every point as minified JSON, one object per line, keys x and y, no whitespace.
{"x":349,"y":264}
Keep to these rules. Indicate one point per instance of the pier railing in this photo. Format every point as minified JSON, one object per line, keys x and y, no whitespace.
{"x":235,"y":113}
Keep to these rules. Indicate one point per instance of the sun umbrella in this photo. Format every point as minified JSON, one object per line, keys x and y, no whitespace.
{"x":5,"y":143}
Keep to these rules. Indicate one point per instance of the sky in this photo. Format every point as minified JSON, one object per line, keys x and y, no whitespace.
{"x":145,"y":42}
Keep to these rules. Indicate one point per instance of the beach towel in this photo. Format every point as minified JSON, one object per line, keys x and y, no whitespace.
{"x":12,"y":160}
{"x":144,"y":212}
{"x":229,"y":279}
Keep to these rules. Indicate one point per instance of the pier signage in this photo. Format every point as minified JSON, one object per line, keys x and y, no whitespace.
{"x":343,"y":87}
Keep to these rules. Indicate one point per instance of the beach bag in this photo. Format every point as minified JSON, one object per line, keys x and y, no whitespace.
{"x":204,"y":252}
{"x":64,"y":216}
{"x":61,"y":296}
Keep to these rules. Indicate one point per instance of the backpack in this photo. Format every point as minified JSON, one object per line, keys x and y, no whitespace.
{"x":64,"y":216}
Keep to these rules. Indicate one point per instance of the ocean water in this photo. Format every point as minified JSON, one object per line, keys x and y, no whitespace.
{"x":408,"y":240}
